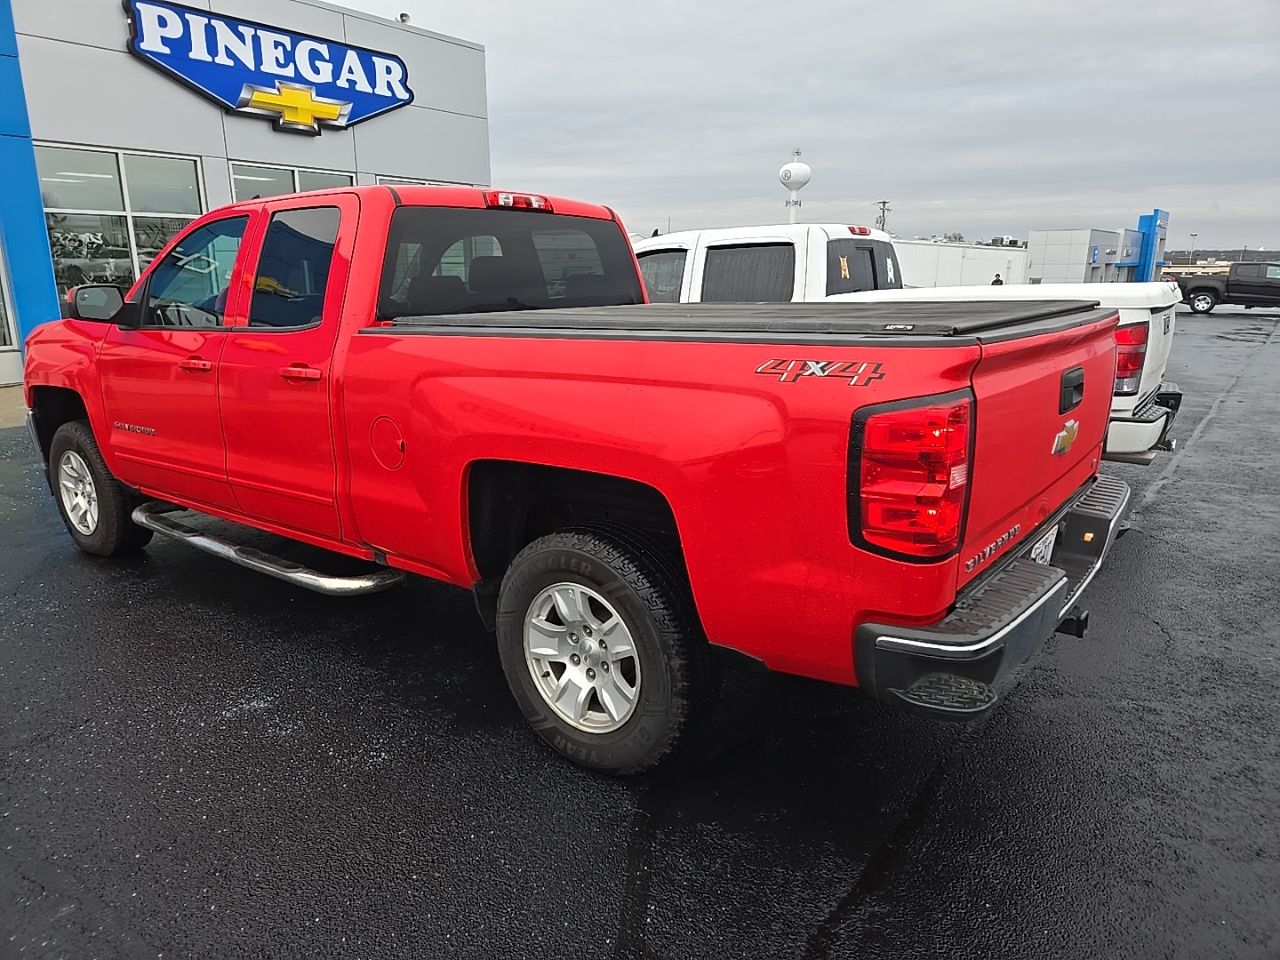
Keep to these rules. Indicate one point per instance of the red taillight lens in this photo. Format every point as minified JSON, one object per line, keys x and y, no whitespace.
{"x":517,"y":201}
{"x":913,"y":478}
{"x":1131,"y":353}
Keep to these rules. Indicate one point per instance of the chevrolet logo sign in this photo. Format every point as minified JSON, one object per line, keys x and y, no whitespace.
{"x":1066,"y":437}
{"x":302,"y":82}
{"x":295,"y":106}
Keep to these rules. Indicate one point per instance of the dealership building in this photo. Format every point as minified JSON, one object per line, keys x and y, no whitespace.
{"x":121,"y":123}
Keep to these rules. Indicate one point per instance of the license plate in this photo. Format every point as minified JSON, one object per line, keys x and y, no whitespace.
{"x":1043,"y":548}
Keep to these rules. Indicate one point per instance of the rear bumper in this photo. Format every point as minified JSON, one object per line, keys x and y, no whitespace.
{"x":1138,"y":436}
{"x":955,"y":668}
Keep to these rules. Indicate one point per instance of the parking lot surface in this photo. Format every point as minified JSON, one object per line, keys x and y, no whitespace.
{"x":196,"y":761}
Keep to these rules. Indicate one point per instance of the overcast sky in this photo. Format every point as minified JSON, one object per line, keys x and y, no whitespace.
{"x":978,"y":116}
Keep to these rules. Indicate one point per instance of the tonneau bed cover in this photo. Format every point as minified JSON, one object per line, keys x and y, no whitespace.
{"x":827,"y":322}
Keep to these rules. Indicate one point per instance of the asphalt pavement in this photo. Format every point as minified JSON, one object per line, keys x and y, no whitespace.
{"x":196,"y":761}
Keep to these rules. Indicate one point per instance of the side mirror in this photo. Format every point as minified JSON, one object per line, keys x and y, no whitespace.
{"x":95,"y":301}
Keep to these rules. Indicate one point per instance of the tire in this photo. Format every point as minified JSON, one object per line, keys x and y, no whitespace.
{"x":1202,"y":301}
{"x":78,"y":475}
{"x":644,"y":586}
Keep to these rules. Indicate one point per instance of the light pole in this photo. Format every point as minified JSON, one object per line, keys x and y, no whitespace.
{"x":1192,"y":259}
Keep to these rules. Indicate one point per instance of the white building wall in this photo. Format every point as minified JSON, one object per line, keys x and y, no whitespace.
{"x":928,"y":264}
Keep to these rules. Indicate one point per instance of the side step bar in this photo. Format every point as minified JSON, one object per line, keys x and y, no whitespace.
{"x":154,"y":516}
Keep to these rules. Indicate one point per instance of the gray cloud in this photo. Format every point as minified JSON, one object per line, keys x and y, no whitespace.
{"x":985,"y":117}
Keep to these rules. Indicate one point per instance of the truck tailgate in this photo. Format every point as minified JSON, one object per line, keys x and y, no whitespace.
{"x":1043,"y":404}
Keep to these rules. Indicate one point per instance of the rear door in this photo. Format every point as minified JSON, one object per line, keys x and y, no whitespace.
{"x":276,"y":385}
{"x":1256,"y":283}
{"x":160,"y":381}
{"x":1043,"y":406}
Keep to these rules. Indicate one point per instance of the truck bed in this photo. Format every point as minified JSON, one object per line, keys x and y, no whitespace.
{"x":980,"y":322}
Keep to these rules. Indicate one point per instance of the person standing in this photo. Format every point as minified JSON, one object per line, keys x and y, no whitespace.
{"x":997,"y":282}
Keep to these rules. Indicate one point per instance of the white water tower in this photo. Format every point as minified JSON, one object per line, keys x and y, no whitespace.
{"x":794,"y":176}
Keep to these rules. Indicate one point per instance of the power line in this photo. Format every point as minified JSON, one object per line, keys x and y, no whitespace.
{"x":883,"y":217}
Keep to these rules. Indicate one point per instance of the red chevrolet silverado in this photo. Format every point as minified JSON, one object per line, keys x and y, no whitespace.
{"x":467,"y":385}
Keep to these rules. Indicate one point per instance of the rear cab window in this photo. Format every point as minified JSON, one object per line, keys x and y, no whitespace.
{"x":749,"y":273}
{"x":442,"y":260}
{"x":857,"y":265}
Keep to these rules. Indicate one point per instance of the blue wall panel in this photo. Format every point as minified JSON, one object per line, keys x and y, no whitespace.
{"x":23,"y":238}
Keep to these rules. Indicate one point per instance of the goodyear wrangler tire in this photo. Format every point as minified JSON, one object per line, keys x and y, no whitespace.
{"x":602,"y":648}
{"x":93,"y":504}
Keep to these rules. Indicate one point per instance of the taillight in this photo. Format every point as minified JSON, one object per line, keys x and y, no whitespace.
{"x":1131,"y":353}
{"x":517,"y":201}
{"x":912,"y":476}
{"x":860,"y":231}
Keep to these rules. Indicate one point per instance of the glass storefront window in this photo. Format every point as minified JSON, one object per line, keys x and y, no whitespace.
{"x":150,"y":234}
{"x":99,"y":228}
{"x":6,"y":314}
{"x":250,"y":181}
{"x":400,"y":182}
{"x":89,"y":248}
{"x":79,"y":179}
{"x":162,"y":184}
{"x":314,"y":180}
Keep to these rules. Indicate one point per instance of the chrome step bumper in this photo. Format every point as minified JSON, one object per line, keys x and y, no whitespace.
{"x":156,"y":516}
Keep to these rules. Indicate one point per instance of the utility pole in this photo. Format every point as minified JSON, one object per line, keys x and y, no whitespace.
{"x":1192,"y":259}
{"x":882,"y":218}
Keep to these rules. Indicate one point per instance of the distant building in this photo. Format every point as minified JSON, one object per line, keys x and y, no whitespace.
{"x":939,"y":263}
{"x":1091,"y":255}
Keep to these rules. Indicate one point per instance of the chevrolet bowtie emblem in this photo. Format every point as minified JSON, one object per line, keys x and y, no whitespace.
{"x":295,"y":106}
{"x":1066,"y":437}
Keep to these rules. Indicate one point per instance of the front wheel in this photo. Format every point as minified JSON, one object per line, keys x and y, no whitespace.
{"x":1203,"y":302}
{"x":94,"y":505}
{"x":602,"y":648}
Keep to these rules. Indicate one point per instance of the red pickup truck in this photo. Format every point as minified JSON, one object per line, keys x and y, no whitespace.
{"x":467,"y":385}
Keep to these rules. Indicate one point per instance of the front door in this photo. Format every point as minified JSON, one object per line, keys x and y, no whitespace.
{"x":160,"y":381}
{"x":276,"y":380}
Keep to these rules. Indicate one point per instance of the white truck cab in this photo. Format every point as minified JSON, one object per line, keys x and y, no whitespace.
{"x":768,"y":264}
{"x":1143,"y":406}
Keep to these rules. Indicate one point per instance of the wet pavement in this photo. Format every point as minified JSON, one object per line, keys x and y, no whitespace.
{"x":199,"y":762}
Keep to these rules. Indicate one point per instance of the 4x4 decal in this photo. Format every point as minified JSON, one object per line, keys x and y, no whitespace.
{"x":859,"y":373}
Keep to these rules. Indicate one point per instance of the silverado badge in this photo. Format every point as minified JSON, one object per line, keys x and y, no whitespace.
{"x":1066,"y":437}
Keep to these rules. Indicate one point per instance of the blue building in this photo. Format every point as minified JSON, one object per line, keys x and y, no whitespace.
{"x":1090,"y":255}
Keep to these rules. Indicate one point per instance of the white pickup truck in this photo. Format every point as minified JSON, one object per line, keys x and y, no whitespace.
{"x":1143,"y":406}
{"x":833,"y":262}
{"x":771,"y":264}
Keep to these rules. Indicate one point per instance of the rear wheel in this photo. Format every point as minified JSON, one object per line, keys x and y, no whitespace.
{"x":94,"y":505}
{"x":602,"y":649}
{"x":1202,"y":301}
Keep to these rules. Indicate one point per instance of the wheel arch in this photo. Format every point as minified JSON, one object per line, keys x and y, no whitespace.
{"x":511,"y":503}
{"x":51,"y":407}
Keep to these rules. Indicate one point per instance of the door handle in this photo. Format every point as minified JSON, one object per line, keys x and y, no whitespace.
{"x":299,"y":372}
{"x":196,"y":365}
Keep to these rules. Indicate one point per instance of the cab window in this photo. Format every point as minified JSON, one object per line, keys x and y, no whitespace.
{"x":188,"y":288}
{"x":663,"y":272}
{"x":750,"y":273}
{"x":293,"y":271}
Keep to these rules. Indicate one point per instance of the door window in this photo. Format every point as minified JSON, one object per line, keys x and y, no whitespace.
{"x":189,"y":286}
{"x":1273,"y":273}
{"x":751,"y":273}
{"x":293,"y":271}
{"x":663,"y":272}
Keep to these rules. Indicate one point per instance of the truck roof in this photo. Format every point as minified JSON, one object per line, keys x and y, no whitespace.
{"x":766,"y":322}
{"x":785,"y":232}
{"x":445,"y":195}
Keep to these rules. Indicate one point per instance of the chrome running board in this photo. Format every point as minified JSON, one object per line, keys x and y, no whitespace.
{"x":155,"y":516}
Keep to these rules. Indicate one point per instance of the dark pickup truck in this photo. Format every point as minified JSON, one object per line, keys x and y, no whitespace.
{"x":1247,"y":284}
